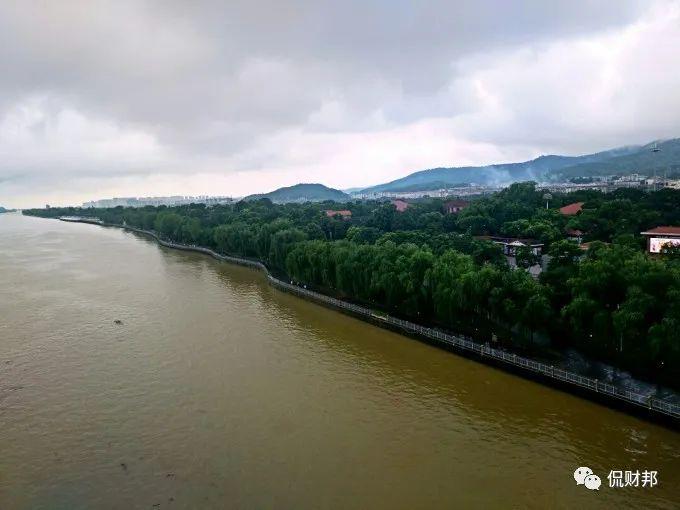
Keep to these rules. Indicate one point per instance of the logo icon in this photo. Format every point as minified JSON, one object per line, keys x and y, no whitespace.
{"x":581,"y":473}
{"x":584,"y":476}
{"x":592,"y":482}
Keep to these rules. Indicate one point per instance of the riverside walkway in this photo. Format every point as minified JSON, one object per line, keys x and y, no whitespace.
{"x":586,"y":386}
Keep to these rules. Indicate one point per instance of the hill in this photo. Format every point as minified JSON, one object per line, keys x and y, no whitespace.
{"x":642,"y":161}
{"x":302,"y":193}
{"x":622,"y":160}
{"x":3,"y":210}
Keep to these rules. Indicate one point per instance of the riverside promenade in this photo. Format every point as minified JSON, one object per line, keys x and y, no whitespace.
{"x":608,"y":394}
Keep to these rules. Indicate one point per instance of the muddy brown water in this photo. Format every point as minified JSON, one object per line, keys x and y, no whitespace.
{"x":218,"y":391}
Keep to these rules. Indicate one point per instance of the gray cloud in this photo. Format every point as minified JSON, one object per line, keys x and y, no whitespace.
{"x":181,"y":89}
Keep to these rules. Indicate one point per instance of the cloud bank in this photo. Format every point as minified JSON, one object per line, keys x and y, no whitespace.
{"x":133,"y":98}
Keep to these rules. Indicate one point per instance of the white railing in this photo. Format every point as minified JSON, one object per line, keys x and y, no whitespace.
{"x":538,"y":367}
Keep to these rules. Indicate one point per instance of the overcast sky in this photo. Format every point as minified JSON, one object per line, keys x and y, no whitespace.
{"x":135,"y":98}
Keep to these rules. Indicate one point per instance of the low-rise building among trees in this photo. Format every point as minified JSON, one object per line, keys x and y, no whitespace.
{"x":572,"y":209}
{"x":400,"y":205}
{"x":455,"y":206}
{"x":511,"y":245}
{"x":344,"y":214}
{"x":659,"y":237}
{"x":575,"y":235}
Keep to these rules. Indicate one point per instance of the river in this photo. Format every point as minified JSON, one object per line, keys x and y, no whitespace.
{"x":219,"y":391}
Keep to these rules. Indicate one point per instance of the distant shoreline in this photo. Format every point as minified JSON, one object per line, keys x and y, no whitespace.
{"x":592,"y":389}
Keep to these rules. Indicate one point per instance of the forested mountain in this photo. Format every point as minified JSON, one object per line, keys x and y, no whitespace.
{"x":302,"y":193}
{"x":613,"y":301}
{"x":621,"y":160}
{"x":642,"y":161}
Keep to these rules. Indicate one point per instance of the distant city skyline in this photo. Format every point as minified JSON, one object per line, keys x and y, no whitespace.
{"x":604,"y":181}
{"x":157,"y":98}
{"x":156,"y":201}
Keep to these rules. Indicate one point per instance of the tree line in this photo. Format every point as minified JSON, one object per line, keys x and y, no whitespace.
{"x":612,"y":302}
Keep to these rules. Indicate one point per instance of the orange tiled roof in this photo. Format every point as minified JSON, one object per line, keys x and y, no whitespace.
{"x":571,"y":209}
{"x":670,"y":231}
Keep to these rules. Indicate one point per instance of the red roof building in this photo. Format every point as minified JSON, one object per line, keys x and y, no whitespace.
{"x":658,"y":237}
{"x":344,"y":214}
{"x":400,"y":205}
{"x":663,"y":231}
{"x":455,"y":206}
{"x":572,"y":209}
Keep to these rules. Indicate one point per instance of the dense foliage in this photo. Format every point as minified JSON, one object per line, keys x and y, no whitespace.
{"x":613,"y":302}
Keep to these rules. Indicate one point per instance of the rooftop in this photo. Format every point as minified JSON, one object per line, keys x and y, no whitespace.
{"x":571,"y":209}
{"x":401,"y":205}
{"x":668,"y":231}
{"x":344,"y":213}
{"x":514,"y":241}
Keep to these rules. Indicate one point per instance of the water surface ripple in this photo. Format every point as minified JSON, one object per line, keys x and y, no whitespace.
{"x":218,"y":391}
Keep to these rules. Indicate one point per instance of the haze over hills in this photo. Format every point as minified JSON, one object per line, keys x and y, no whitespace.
{"x":619,"y":161}
{"x":622,"y":160}
{"x":302,"y":193}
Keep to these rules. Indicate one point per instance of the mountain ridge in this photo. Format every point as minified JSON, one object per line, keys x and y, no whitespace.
{"x":619,"y":160}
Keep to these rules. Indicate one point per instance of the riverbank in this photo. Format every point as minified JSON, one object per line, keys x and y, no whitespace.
{"x":593,"y":389}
